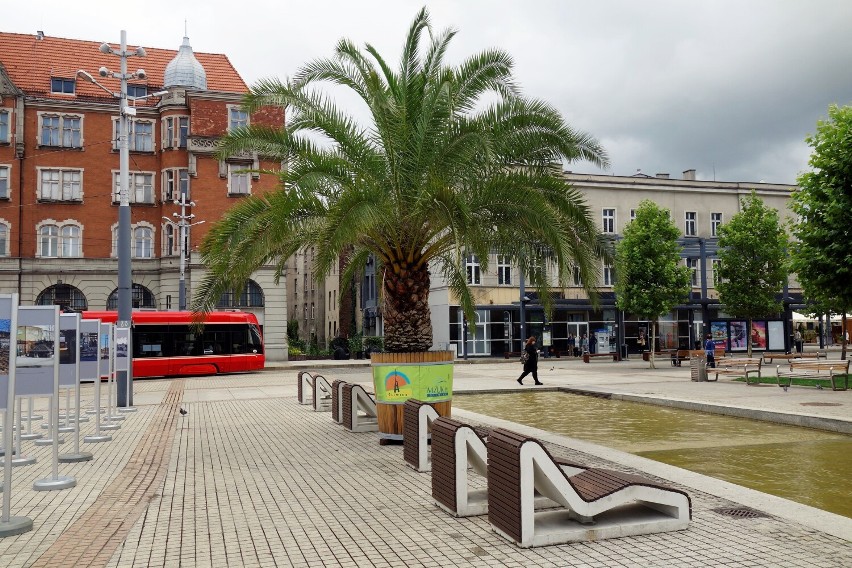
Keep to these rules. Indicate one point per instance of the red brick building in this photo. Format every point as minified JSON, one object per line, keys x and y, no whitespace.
{"x":59,"y":167}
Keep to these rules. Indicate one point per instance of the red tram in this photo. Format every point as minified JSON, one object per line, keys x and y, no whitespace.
{"x":167,"y":344}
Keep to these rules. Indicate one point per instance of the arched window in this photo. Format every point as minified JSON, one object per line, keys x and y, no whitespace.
{"x":170,"y":240}
{"x":63,"y":295}
{"x":48,"y":237}
{"x":252,"y":297}
{"x":60,"y":240}
{"x":71,"y":243}
{"x":143,"y":242}
{"x":140,"y":297}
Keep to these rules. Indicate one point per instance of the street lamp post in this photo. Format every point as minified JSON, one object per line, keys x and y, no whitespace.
{"x":124,"y":379}
{"x":184,"y":223}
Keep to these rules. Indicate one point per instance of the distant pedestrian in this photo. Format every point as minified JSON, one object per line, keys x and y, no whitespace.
{"x":572,"y":345}
{"x":710,"y":351}
{"x":584,"y":344}
{"x":531,"y":363}
{"x":797,"y":339}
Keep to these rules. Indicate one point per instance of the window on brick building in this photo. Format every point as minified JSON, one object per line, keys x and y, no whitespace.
{"x":170,"y":240}
{"x":175,"y":184}
{"x":140,"y":188}
{"x":175,"y":131}
{"x":140,"y":137}
{"x":60,"y":241}
{"x":250,"y":297}
{"x":239,"y":179}
{"x":60,"y":185}
{"x":64,"y":130}
{"x":237,"y":118}
{"x":140,"y":297}
{"x":4,"y":182}
{"x":4,"y":238}
{"x":5,"y":130}
{"x":143,"y":242}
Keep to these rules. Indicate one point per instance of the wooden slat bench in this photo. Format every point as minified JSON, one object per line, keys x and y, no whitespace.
{"x":745,"y":367}
{"x":595,"y":503}
{"x":815,"y":370}
{"x":769,"y":357}
{"x":322,"y":394}
{"x":455,"y":448}
{"x":587,"y":357}
{"x":417,"y":418}
{"x":682,"y":355}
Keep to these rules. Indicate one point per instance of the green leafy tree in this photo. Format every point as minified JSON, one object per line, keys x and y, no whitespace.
{"x":452,"y":161}
{"x":821,"y":254}
{"x":752,"y":251}
{"x":650,"y":278}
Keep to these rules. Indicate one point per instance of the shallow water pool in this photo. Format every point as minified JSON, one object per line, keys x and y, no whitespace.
{"x":800,"y":464}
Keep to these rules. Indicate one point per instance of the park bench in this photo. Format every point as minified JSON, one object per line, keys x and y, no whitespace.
{"x":682,"y":355}
{"x":417,"y":418}
{"x":322,"y":394}
{"x":815,"y":370}
{"x":304,"y":386}
{"x":587,"y":357}
{"x":337,"y":400}
{"x":769,"y":357}
{"x":593,"y":503}
{"x":737,"y":367}
{"x":358,"y":409}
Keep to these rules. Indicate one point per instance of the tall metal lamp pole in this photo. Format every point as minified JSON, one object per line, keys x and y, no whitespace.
{"x":124,"y":378}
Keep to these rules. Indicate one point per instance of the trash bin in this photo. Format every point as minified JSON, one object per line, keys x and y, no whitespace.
{"x":698,"y":368}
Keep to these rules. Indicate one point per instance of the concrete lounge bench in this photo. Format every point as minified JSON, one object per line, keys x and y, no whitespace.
{"x":337,"y":400}
{"x":304,"y":387}
{"x":745,"y":367}
{"x":359,"y":409}
{"x":815,"y":370}
{"x":460,"y":449}
{"x":322,"y":394}
{"x":417,"y":419}
{"x":456,"y":447}
{"x":595,"y":503}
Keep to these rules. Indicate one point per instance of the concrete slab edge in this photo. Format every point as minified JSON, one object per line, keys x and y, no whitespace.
{"x":823,"y":521}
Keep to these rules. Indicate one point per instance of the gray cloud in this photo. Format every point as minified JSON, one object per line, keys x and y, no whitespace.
{"x":727,"y":87}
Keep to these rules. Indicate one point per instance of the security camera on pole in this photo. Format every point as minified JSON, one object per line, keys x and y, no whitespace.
{"x":123,"y":378}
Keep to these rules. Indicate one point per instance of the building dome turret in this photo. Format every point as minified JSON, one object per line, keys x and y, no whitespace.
{"x":185,"y":70}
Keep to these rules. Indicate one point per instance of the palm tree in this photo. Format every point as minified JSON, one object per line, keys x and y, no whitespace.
{"x":454,"y":161}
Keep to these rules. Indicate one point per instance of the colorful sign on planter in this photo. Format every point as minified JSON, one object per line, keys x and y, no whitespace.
{"x":430,"y":382}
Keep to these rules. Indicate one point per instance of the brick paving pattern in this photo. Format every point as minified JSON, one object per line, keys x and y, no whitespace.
{"x":251,"y":478}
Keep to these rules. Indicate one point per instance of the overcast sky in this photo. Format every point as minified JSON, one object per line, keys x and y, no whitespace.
{"x":730,"y":88}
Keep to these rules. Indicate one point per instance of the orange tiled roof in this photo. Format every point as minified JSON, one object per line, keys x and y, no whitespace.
{"x":31,"y":62}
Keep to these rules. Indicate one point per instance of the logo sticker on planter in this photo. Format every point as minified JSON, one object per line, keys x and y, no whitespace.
{"x":397,"y":383}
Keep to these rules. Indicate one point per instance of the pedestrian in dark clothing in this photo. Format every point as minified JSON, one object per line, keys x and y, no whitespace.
{"x":710,"y":351}
{"x":531,"y":364}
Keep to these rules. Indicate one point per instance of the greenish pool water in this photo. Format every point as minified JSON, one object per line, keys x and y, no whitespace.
{"x":800,"y":464}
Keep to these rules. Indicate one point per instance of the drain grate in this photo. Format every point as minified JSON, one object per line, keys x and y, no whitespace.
{"x":740,"y":512}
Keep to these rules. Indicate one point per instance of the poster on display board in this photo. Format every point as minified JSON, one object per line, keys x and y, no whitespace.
{"x":7,"y":307}
{"x":758,"y":335}
{"x":89,"y":349}
{"x":739,"y":334}
{"x":719,"y":334}
{"x":121,"y":339}
{"x":104,"y":349}
{"x":69,"y":349}
{"x":775,"y":334}
{"x":37,"y":361}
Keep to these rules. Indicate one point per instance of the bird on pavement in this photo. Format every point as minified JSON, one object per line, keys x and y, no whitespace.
{"x":183,"y":411}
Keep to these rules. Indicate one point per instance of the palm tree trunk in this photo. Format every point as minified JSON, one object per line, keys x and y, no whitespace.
{"x":407,"y":319}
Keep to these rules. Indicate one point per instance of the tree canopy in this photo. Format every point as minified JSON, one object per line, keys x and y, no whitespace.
{"x":650,"y":278}
{"x":821,"y":254}
{"x":752,"y":250}
{"x":453,"y":161}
